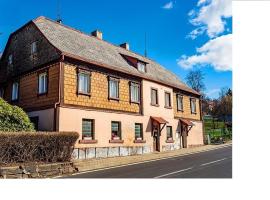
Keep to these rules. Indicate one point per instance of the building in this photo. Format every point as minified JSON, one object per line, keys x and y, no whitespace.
{"x":120,"y":102}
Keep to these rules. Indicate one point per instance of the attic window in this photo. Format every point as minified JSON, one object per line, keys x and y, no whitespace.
{"x":10,"y":59}
{"x":141,"y":66}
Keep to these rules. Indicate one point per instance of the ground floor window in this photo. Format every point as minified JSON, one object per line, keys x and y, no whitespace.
{"x":169,"y":132}
{"x":88,"y":129}
{"x":116,"y":130}
{"x":138,"y":131}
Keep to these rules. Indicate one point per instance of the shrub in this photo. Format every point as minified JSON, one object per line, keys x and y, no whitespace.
{"x":36,"y":146}
{"x":13,"y":118}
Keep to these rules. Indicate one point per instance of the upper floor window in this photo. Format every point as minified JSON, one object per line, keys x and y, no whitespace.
{"x":193,"y":105}
{"x":138,"y":131}
{"x":168,"y":100}
{"x":33,"y":48}
{"x":84,"y":82}
{"x":42,"y":83}
{"x":10,"y":59}
{"x":15,"y":91}
{"x":141,"y":66}
{"x":113,"y":88}
{"x":179,"y":102}
{"x":134,"y":92}
{"x":88,"y":129}
{"x":154,"y":96}
{"x":2,"y":92}
{"x":116,"y":130}
{"x":169,"y":132}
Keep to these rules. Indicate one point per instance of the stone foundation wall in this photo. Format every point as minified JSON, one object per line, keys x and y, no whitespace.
{"x":106,"y":152}
{"x":170,"y":147}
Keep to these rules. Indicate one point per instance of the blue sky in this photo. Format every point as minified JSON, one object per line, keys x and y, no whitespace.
{"x":168,"y":25}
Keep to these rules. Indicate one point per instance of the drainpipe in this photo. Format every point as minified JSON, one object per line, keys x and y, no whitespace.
{"x":56,"y":105}
{"x":201,"y":117}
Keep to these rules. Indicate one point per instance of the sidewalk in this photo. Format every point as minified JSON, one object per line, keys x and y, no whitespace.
{"x":101,"y":163}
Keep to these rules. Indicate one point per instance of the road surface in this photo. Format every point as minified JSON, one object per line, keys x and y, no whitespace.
{"x":210,"y":164}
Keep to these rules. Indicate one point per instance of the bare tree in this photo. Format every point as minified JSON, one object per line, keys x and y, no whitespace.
{"x":195,"y":80}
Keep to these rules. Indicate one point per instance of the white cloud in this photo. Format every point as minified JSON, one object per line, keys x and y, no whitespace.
{"x":212,"y":93}
{"x":168,"y":5}
{"x":210,"y":16}
{"x":216,"y":52}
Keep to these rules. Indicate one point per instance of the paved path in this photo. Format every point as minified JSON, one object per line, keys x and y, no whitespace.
{"x":216,"y":163}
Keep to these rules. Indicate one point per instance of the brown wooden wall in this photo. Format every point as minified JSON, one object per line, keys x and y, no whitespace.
{"x":99,"y":92}
{"x":186,"y":113}
{"x":28,"y":90}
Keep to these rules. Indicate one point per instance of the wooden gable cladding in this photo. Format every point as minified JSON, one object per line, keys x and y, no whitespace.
{"x":29,"y":99}
{"x":186,"y":112}
{"x":99,"y":91}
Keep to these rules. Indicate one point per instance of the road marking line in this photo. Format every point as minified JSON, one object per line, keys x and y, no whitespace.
{"x":146,"y":161}
{"x":182,"y":170}
{"x":213,"y":162}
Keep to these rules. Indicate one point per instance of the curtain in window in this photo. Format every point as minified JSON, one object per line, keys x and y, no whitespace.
{"x":87,"y":128}
{"x":167,"y":99}
{"x":84,"y":83}
{"x":113,"y":89}
{"x":154,"y":96}
{"x":42,"y":83}
{"x":180,"y":102}
{"x":15,"y":88}
{"x":138,"y":131}
{"x":134,"y":93}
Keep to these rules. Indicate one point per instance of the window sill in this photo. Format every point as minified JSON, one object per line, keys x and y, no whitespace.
{"x":114,"y":99}
{"x":116,"y":141}
{"x":157,"y":105}
{"x":85,"y":94}
{"x":88,"y":141}
{"x":139,"y":141}
{"x":194,"y":113}
{"x":180,"y":110}
{"x":42,"y":94}
{"x":169,"y":141}
{"x":168,"y":107}
{"x":135,"y":102}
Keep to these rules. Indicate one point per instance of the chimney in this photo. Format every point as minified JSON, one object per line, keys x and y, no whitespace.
{"x":125,"y":46}
{"x":97,"y":34}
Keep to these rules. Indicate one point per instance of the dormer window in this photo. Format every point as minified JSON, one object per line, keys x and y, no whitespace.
{"x":141,"y":66}
{"x":10,"y":59}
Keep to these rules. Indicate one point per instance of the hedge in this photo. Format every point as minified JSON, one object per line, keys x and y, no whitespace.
{"x":24,"y":147}
{"x":13,"y":118}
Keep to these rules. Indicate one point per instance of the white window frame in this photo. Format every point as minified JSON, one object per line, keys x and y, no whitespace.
{"x":168,"y":104}
{"x":141,"y":66}
{"x":113,"y":82}
{"x":193,"y":105}
{"x":178,"y":97}
{"x":134,"y":95}
{"x":84,"y":82}
{"x":43,"y":83}
{"x":15,"y":91}
{"x":2,"y":92}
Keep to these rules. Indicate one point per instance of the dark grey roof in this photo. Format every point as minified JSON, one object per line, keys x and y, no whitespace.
{"x":74,"y":42}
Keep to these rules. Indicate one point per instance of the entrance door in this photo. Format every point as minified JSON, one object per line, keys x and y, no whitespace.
{"x":156,"y":139}
{"x":184,"y":136}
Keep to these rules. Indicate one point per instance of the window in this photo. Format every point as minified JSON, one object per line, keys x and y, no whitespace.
{"x":15,"y":91}
{"x":138,"y":131}
{"x":88,"y":129}
{"x":193,"y":105}
{"x":84,"y":82}
{"x":2,"y":92}
{"x":10,"y":59}
{"x":141,"y":66}
{"x":134,"y":92}
{"x":113,"y":88}
{"x":42,"y":83}
{"x":168,"y":100}
{"x":116,"y":130}
{"x":154,"y":96}
{"x":35,"y":120}
{"x":169,"y":132}
{"x":179,"y":102}
{"x":33,"y":48}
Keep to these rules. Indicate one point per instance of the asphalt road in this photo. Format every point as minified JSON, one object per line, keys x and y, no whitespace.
{"x":210,"y":164}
